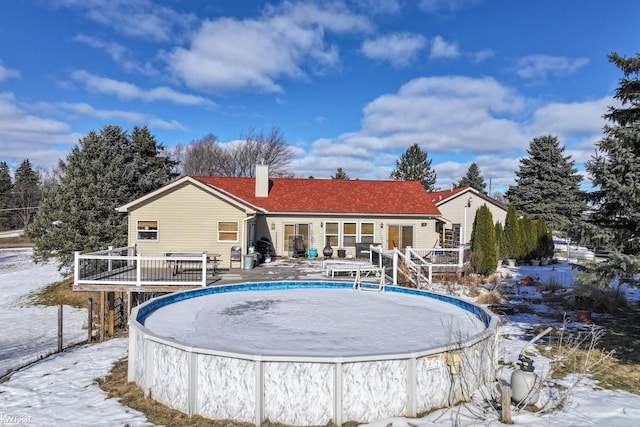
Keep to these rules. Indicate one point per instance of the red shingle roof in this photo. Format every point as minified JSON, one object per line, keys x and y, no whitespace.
{"x":331,"y":195}
{"x":438,"y":196}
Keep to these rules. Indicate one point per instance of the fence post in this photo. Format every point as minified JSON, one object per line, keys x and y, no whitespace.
{"x":395,"y":267}
{"x":204,"y":269}
{"x":110,"y":262}
{"x":76,"y":269}
{"x":90,"y":321}
{"x":60,"y":328}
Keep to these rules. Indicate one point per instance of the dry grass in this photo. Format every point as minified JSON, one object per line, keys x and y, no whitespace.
{"x":61,"y":293}
{"x":610,"y":372}
{"x":491,"y":297}
{"x":13,"y":240}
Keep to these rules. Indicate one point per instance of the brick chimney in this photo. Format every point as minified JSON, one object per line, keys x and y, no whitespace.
{"x":262,"y":180}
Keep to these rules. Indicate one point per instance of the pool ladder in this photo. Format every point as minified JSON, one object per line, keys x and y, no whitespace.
{"x":357,"y":283}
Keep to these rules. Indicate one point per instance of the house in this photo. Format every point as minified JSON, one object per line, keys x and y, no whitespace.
{"x":458,"y":208}
{"x":213,"y":214}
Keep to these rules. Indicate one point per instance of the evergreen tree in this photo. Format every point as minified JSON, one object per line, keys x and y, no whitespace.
{"x":103,"y":171}
{"x":512,"y":234}
{"x":473,"y":179}
{"x":414,"y":165}
{"x":530,"y":237}
{"x":548,"y":184}
{"x":6,"y":185}
{"x":615,"y":174}
{"x":500,"y":241}
{"x":26,"y":194}
{"x":340,"y":174}
{"x":483,"y":242}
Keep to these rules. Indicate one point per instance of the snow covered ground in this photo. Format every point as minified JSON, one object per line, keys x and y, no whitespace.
{"x":60,"y":390}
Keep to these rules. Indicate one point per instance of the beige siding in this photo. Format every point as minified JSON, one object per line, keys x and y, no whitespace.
{"x":187,"y":221}
{"x":454,"y":212}
{"x":273,"y":227}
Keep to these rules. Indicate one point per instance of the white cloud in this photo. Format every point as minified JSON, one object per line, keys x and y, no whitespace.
{"x":252,"y":54}
{"x":482,"y":55}
{"x":576,"y":118}
{"x":118,"y":53}
{"x":476,"y":118}
{"x":128,"y":92}
{"x":379,"y":6}
{"x":445,"y":114}
{"x":436,"y":6}
{"x":7,"y":73}
{"x":440,"y":48}
{"x":142,"y":19}
{"x":84,"y":109}
{"x":544,"y":66}
{"x":399,"y":49}
{"x":24,"y":135}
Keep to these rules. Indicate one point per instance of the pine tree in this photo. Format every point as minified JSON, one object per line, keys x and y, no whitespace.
{"x":104,"y":171}
{"x":548,"y":184}
{"x":512,"y":234}
{"x":530,"y":237}
{"x":340,"y":174}
{"x":26,"y":194}
{"x":414,"y":165}
{"x":473,"y":179}
{"x":615,"y":174}
{"x":6,"y":185}
{"x":483,"y":242}
{"x":500,"y":241}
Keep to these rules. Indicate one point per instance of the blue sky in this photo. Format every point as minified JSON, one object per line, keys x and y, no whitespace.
{"x":351,"y":83}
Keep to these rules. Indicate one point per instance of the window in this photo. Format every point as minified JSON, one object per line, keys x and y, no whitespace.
{"x":227,"y":231}
{"x":147,"y":230}
{"x":331,"y":230}
{"x":367,"y":233}
{"x":349,"y":234}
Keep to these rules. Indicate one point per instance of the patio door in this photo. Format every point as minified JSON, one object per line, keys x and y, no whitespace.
{"x":291,"y":230}
{"x":399,"y":236}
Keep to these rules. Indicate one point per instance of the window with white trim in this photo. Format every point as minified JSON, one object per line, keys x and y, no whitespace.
{"x":367,"y":232}
{"x":147,"y":230}
{"x":228,"y":231}
{"x":349,"y":234}
{"x":331,"y":233}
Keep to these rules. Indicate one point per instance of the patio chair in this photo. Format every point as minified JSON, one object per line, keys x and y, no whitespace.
{"x":299,"y":248}
{"x":236,"y":256}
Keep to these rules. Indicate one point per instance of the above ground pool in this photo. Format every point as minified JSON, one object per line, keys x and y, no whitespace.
{"x":307,"y":353}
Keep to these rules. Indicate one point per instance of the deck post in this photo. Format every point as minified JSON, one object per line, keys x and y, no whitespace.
{"x":90,"y":321}
{"x":138,"y":270}
{"x":76,"y":267}
{"x":111,"y":297}
{"x":101,"y":310}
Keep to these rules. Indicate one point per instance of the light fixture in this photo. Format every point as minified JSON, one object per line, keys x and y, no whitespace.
{"x":321,"y":224}
{"x":382,"y":225}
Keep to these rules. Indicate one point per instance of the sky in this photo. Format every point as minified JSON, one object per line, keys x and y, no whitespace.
{"x":351,"y":83}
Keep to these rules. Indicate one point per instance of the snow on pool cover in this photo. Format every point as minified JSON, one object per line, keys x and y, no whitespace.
{"x":321,"y":320}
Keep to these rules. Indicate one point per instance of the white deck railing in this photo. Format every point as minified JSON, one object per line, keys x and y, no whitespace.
{"x":123,"y":266}
{"x":419,"y":263}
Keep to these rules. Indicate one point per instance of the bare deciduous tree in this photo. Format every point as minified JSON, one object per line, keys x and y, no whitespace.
{"x":207,"y":156}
